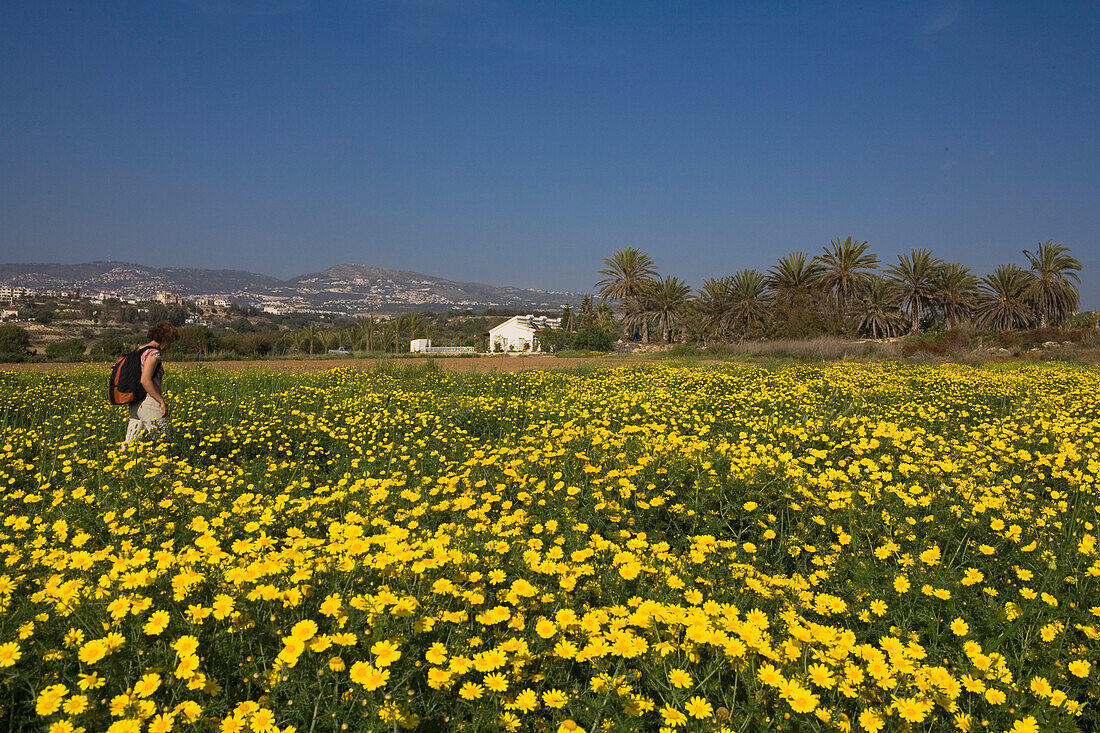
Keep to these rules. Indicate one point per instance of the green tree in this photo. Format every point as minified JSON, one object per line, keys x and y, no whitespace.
{"x":846,"y":268}
{"x":366,"y":332}
{"x":748,"y":305}
{"x":1003,"y":302}
{"x":628,"y":275}
{"x":15,"y":343}
{"x":567,"y":317}
{"x":194,"y":339}
{"x":792,"y":279}
{"x":309,"y":338}
{"x":67,"y":350}
{"x":414,"y":322}
{"x":108,"y":349}
{"x":912,"y":282}
{"x":796,"y":310}
{"x":1052,"y":282}
{"x":878,"y":313}
{"x":667,"y":304}
{"x":709,"y":307}
{"x":956,"y":292}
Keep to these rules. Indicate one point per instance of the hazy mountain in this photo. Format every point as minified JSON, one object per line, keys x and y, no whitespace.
{"x":344,"y":288}
{"x":136,"y":280}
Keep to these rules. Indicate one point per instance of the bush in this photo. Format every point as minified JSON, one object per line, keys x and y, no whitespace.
{"x":15,"y":343}
{"x":67,"y":350}
{"x":108,"y":349}
{"x":593,"y":340}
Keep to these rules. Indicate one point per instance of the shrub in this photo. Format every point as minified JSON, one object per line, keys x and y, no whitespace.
{"x":15,"y":343}
{"x":67,"y":350}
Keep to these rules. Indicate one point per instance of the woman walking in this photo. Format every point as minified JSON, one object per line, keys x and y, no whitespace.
{"x":151,"y":414}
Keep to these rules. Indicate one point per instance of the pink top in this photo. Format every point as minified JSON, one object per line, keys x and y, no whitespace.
{"x":159,"y":373}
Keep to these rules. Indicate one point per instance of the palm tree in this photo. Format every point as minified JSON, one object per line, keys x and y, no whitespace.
{"x":956,"y":293}
{"x":391,"y":334}
{"x":665,"y":302}
{"x":308,"y":337}
{"x":1002,"y":300}
{"x":605,"y":317}
{"x":1048,"y":284}
{"x":367,"y":329}
{"x":879,"y":315}
{"x":793,"y":277}
{"x":710,"y":305}
{"x":627,"y":273}
{"x":413,"y":322}
{"x":796,"y":295}
{"x":846,"y":266}
{"x":913,"y":283}
{"x":749,"y":303}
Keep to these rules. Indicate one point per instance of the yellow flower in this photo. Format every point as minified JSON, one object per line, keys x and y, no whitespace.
{"x":385,"y":653}
{"x":545,"y":628}
{"x":801,"y":700}
{"x":147,"y":685}
{"x":871,"y":721}
{"x":672,"y":717}
{"x":186,"y":646}
{"x":911,"y":709}
{"x":1026,"y":725}
{"x":1080,"y":667}
{"x":222,"y":606}
{"x":438,"y":678}
{"x":436,"y":654}
{"x":496,"y":682}
{"x":158,"y":622}
{"x":959,"y":627}
{"x":821,"y":676}
{"x":9,"y":654}
{"x":679,"y":678}
{"x":93,"y":651}
{"x":90,"y":681}
{"x":304,"y":630}
{"x":263,"y":721}
{"x":125,"y":726}
{"x":49,"y":700}
{"x":699,"y":707}
{"x":554,"y":698}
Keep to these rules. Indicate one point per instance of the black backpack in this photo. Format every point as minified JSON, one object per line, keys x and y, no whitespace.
{"x":124,"y":386}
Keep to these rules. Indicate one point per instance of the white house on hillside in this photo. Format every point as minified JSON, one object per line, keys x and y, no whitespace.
{"x":520,"y":333}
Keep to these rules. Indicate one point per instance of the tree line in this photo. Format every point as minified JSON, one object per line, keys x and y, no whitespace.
{"x":841,"y":291}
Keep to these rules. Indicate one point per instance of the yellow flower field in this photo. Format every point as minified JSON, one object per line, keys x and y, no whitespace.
{"x":852,"y":547}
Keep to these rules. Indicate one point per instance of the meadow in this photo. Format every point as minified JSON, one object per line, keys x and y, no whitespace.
{"x":847,"y":547}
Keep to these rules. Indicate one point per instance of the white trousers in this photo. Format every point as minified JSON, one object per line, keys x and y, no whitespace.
{"x":145,"y":417}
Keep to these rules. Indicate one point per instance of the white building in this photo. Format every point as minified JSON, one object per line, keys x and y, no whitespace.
{"x":520,"y":333}
{"x":11,"y":292}
{"x":424,"y":346}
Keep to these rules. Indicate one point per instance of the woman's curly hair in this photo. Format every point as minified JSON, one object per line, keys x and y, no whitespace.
{"x":163,"y":332}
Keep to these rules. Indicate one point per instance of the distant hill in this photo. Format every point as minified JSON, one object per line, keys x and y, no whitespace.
{"x":341,"y":289}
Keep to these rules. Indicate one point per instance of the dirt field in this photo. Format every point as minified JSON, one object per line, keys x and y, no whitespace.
{"x":482,"y":364}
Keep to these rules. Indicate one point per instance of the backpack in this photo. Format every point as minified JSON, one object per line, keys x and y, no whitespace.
{"x":124,"y":386}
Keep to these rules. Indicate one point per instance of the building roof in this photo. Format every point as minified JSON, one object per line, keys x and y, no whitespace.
{"x":529,"y":322}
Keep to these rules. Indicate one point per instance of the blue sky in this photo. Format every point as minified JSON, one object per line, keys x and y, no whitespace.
{"x":520,"y":143}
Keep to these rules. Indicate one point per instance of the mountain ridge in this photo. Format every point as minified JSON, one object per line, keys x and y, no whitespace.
{"x":344,"y":288}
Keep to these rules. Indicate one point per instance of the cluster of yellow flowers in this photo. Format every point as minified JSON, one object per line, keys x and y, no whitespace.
{"x":851,"y":547}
